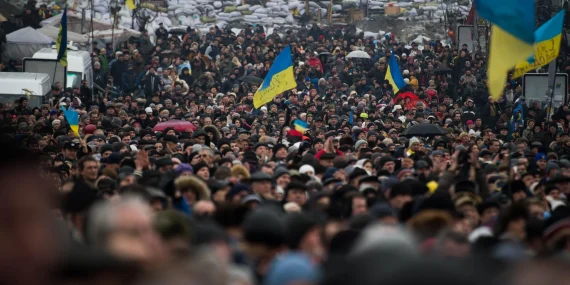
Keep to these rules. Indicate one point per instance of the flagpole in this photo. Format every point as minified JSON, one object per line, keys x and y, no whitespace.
{"x":54,"y":70}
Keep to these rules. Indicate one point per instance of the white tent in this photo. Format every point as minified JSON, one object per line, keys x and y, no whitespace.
{"x":24,"y":43}
{"x":53,"y":32}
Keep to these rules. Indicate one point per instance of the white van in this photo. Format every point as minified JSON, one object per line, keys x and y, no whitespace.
{"x":78,"y":64}
{"x":20,"y":84}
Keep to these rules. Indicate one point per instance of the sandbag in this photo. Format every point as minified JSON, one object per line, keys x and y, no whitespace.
{"x":429,"y":8}
{"x":413,"y":12}
{"x":236,"y":19}
{"x":370,"y":34}
{"x":290,"y":19}
{"x":254,"y":8}
{"x":218,"y":4}
{"x":207,"y":20}
{"x":243,"y":7}
{"x":270,"y":4}
{"x":293,"y":5}
{"x":246,"y":12}
{"x":101,"y":9}
{"x":235,"y":14}
{"x":229,"y":9}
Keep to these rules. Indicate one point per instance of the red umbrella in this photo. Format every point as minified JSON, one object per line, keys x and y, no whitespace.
{"x":177,"y":125}
{"x":410,"y":99}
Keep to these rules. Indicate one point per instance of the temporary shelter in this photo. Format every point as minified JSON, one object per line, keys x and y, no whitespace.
{"x":24,"y":43}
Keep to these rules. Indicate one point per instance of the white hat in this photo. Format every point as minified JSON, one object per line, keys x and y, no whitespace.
{"x":397,"y":107}
{"x":406,"y":72}
{"x":263,"y":109}
{"x":148,"y":110}
{"x":407,"y":80}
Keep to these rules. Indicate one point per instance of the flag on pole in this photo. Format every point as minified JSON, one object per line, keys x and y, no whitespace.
{"x":394,"y":75}
{"x":279,"y":79}
{"x":517,"y":118}
{"x":512,"y":37}
{"x":72,"y":118}
{"x":61,"y":43}
{"x":547,"y":47}
{"x":301,"y":126}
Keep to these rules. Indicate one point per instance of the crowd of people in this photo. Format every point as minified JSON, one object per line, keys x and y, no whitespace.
{"x":231,"y":194}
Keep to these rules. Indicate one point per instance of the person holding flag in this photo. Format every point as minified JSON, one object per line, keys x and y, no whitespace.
{"x":279,"y":79}
{"x":394,"y":75}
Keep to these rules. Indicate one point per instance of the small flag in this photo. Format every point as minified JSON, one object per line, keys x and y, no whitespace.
{"x":394,"y":75}
{"x":61,"y":43}
{"x":131,"y":4}
{"x":301,"y":126}
{"x":279,"y":79}
{"x":350,"y":119}
{"x":512,"y":37}
{"x":72,"y":118}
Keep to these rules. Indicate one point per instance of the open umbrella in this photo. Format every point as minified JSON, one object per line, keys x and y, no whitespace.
{"x":170,"y":54}
{"x":251,"y":79}
{"x":358,"y":54}
{"x":424,"y":130}
{"x":177,"y":125}
{"x":177,"y":31}
{"x":442,"y":70}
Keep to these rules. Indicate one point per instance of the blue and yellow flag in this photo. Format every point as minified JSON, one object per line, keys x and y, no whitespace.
{"x":279,"y":79}
{"x":130,"y":4}
{"x":394,"y":75}
{"x":72,"y":118}
{"x":547,"y":47}
{"x":61,"y":43}
{"x":517,"y":119}
{"x":300,"y":126}
{"x":512,"y":37}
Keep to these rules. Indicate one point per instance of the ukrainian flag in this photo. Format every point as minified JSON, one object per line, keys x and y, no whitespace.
{"x":512,"y":37}
{"x":72,"y":118}
{"x":130,"y":4}
{"x":279,"y":79}
{"x":517,"y":118}
{"x":394,"y":75}
{"x":300,"y":126}
{"x":547,"y":47}
{"x":61,"y":43}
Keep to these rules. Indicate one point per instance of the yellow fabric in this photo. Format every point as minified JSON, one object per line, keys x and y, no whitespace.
{"x":505,"y":52}
{"x":391,"y":80}
{"x":280,"y":82}
{"x":75,"y":129}
{"x":131,"y":4}
{"x":545,"y":52}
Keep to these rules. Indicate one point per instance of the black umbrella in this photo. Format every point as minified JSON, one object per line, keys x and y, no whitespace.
{"x":442,"y":70}
{"x":424,"y":130}
{"x":177,"y":31}
{"x":251,"y":79}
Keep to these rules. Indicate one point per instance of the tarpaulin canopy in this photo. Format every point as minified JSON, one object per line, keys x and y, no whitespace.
{"x":24,"y":43}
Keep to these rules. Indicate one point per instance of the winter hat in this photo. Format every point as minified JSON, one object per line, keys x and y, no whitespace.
{"x":148,"y":110}
{"x":297,"y":226}
{"x":306,"y":169}
{"x":359,"y":143}
{"x":412,"y":141}
{"x":265,"y":227}
{"x":56,"y":121}
{"x":292,"y":267}
{"x":551,"y":166}
{"x":539,"y":156}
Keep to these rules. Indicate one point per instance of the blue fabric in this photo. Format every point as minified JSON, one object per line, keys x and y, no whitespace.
{"x":516,"y":17}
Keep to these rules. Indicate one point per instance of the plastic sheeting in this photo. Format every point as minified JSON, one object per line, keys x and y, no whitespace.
{"x":24,"y":43}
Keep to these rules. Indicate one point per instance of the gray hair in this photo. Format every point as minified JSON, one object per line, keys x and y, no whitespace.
{"x":101,"y":219}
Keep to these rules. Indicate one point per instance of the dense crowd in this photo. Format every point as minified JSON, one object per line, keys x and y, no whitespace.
{"x":175,"y":177}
